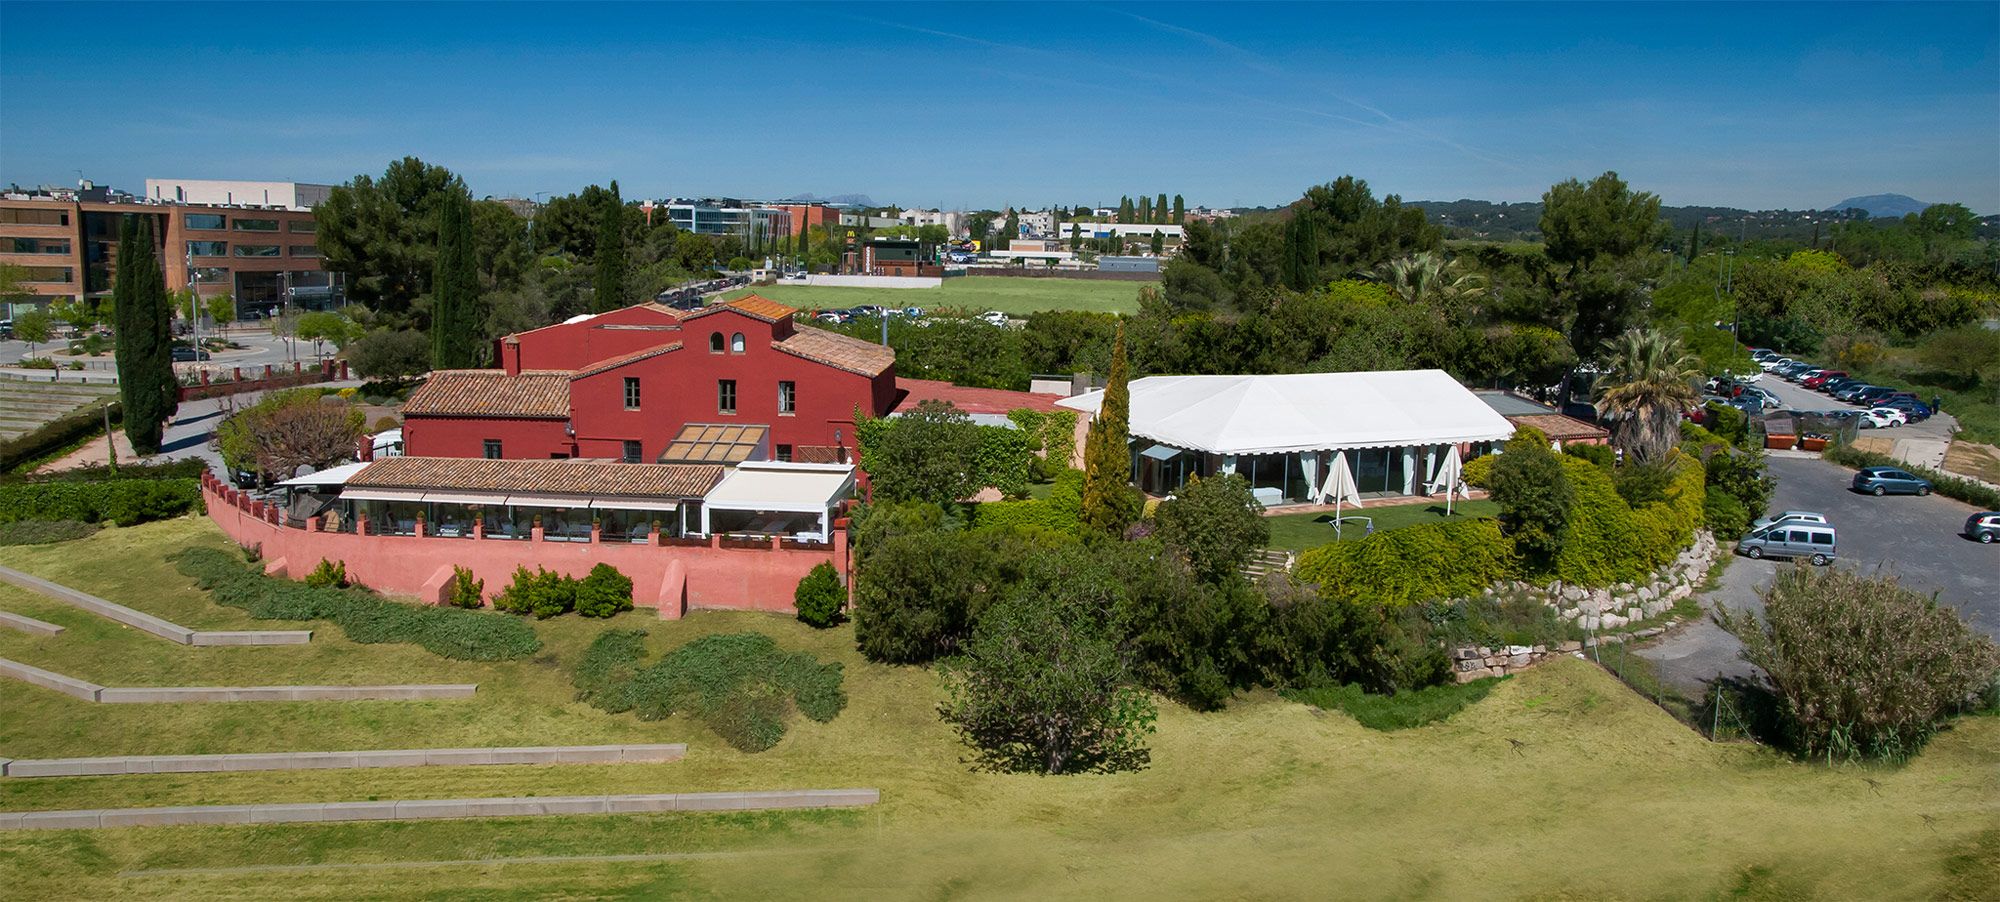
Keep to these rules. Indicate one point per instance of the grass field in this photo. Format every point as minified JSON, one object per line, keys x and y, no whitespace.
{"x":1299,"y":532}
{"x":1604,"y":796}
{"x":977,"y":294}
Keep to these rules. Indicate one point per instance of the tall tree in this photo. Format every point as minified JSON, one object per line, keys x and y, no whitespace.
{"x":1650,"y":379}
{"x":458,"y":327}
{"x":1075,"y":237}
{"x":1159,"y":242}
{"x":1160,"y":208}
{"x":1145,"y":208}
{"x":610,"y":255}
{"x":1125,"y":209}
{"x":1601,"y":238}
{"x":1180,"y":210}
{"x":381,"y":234}
{"x":1012,"y":230}
{"x":1109,"y":503}
{"x":1694,"y":241}
{"x":142,"y":316}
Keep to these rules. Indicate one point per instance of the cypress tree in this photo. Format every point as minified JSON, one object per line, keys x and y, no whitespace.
{"x":610,"y":256}
{"x":1109,"y":503}
{"x":1145,"y":208}
{"x":1125,"y":209}
{"x":142,"y":315}
{"x":1159,"y":242}
{"x":1075,"y":237}
{"x":456,"y":332}
{"x":1180,"y":210}
{"x":1694,"y":244}
{"x":1160,"y":208}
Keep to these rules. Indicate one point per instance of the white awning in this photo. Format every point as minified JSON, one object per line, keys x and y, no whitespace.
{"x":1305,"y":411}
{"x":636,"y":504}
{"x":371,"y":494}
{"x":565,"y":501}
{"x":329,"y":476}
{"x":779,"y":486}
{"x":494,"y":498}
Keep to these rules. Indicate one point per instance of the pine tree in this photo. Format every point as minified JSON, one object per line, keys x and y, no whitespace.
{"x":610,"y":255}
{"x":1160,"y":208}
{"x":1109,"y":503}
{"x":1180,"y":210}
{"x":142,"y":315}
{"x":457,"y":335}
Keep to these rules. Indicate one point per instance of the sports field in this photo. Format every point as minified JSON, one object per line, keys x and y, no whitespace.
{"x":977,"y":294}
{"x":1559,"y":784}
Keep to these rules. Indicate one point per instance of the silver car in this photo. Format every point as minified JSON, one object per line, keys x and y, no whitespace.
{"x":1814,"y":541}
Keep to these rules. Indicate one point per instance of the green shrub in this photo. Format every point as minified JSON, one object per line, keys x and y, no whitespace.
{"x":1863,"y":667}
{"x":175,"y":469}
{"x":44,"y":532}
{"x":467,"y":591}
{"x":819,"y":596}
{"x":328,"y":573}
{"x":1944,"y":484}
{"x":126,"y":502}
{"x":1478,"y":472}
{"x":1609,"y":541}
{"x":1532,"y":487}
{"x":362,"y":615}
{"x":740,"y":685}
{"x":1061,"y":512}
{"x":1401,"y":711}
{"x":1601,"y":455}
{"x":603,"y":592}
{"x":1214,"y":524}
{"x":541,"y":593}
{"x":1725,"y":515}
{"x":1416,"y":563}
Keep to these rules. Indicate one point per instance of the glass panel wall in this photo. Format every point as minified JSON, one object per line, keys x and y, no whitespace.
{"x":204,"y":221}
{"x":619,"y":525}
{"x":451,"y":520}
{"x":393,"y":518}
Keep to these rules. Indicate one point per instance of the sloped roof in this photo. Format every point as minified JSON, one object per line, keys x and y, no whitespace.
{"x":562,"y":477}
{"x":541,"y":394}
{"x":1305,"y":412}
{"x":838,"y":351}
{"x":1559,"y":427}
{"x":607,"y":365}
{"x":970,"y":400}
{"x":750,"y":305}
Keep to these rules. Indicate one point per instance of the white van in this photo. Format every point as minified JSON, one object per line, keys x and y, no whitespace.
{"x":1790,"y":539}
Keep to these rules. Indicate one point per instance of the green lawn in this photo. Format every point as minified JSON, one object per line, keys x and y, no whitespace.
{"x":976,"y":294}
{"x":1299,"y":532}
{"x":1598,"y":795}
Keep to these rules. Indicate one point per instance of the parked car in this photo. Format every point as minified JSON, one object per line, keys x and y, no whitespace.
{"x":1820,"y":378}
{"x":995,"y":317}
{"x":1888,"y":416}
{"x":1762,"y":354}
{"x":1835,"y":386}
{"x":1983,"y":527}
{"x":1879,"y":481}
{"x":1788,"y":516}
{"x":187,"y":355}
{"x":1868,"y":395}
{"x":1816,"y":542}
{"x":835,"y":317}
{"x":1917,"y":411}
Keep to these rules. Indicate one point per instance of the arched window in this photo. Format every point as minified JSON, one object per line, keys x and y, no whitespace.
{"x":736,"y":343}
{"x":715,"y":343}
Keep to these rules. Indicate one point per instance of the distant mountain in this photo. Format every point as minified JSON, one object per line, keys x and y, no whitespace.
{"x":1883,"y":206}
{"x":851,"y":200}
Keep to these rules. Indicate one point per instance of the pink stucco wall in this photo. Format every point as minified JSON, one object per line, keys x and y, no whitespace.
{"x":670,"y":578}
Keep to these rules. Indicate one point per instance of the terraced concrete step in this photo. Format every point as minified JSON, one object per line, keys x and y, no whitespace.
{"x":436,"y":809}
{"x":467,"y":757}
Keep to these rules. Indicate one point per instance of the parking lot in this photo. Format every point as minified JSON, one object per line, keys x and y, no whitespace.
{"x":1915,"y":538}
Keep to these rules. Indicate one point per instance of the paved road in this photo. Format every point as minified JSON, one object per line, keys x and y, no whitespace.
{"x":1918,"y":443}
{"x":1915,"y":538}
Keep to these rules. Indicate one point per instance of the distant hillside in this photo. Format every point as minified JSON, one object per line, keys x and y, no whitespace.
{"x":1488,"y":221}
{"x":852,"y":200}
{"x":1883,"y":206}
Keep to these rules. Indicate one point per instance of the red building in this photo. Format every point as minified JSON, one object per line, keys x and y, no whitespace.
{"x":627,"y":384}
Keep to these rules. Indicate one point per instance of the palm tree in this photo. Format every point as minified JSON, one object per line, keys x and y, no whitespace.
{"x":1429,"y":279}
{"x":1649,"y":379}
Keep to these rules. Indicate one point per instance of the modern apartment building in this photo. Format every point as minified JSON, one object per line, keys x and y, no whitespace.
{"x":67,"y":242}
{"x":754,"y":225}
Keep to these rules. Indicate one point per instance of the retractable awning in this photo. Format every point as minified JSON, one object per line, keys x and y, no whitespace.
{"x":492,"y":498}
{"x":331,"y":476}
{"x":375,"y":494}
{"x":566,"y":501}
{"x":777,"y":486}
{"x":636,"y":504}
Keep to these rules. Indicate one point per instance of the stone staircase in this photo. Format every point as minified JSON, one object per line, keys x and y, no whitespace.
{"x":25,"y":406}
{"x":1266,"y":562}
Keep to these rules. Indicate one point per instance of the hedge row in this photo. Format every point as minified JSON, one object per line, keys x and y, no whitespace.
{"x":191,"y":468}
{"x":126,"y":502}
{"x":365,"y":617}
{"x":55,"y":435}
{"x":1945,"y":484}
{"x":741,"y":685}
{"x":1608,"y":541}
{"x":1061,"y":512}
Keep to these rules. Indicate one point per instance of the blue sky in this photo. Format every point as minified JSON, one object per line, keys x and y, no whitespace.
{"x":984,"y":104}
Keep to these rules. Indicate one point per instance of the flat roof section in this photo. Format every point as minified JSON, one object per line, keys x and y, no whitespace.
{"x":781,"y":486}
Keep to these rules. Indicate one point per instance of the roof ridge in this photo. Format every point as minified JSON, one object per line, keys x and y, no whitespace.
{"x":611,"y":363}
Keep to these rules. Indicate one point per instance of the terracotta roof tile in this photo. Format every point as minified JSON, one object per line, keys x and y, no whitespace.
{"x":555,"y":477}
{"x":970,"y":400}
{"x":542,"y":394}
{"x":838,"y":351}
{"x":604,"y":366}
{"x":1559,"y":427}
{"x":751,"y":305}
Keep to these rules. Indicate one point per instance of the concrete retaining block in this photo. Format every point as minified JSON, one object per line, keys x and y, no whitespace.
{"x":69,"y":686}
{"x":138,"y":620}
{"x":180,"y":694}
{"x":435,"y":809}
{"x":29,"y":625}
{"x":189,"y":764}
{"x":252,"y":637}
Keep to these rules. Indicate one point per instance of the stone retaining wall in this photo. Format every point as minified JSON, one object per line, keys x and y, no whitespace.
{"x":148,"y":623}
{"x":91,"y":692}
{"x":195,"y":764}
{"x":1605,"y":610}
{"x":28,"y":625}
{"x":432,"y":809}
